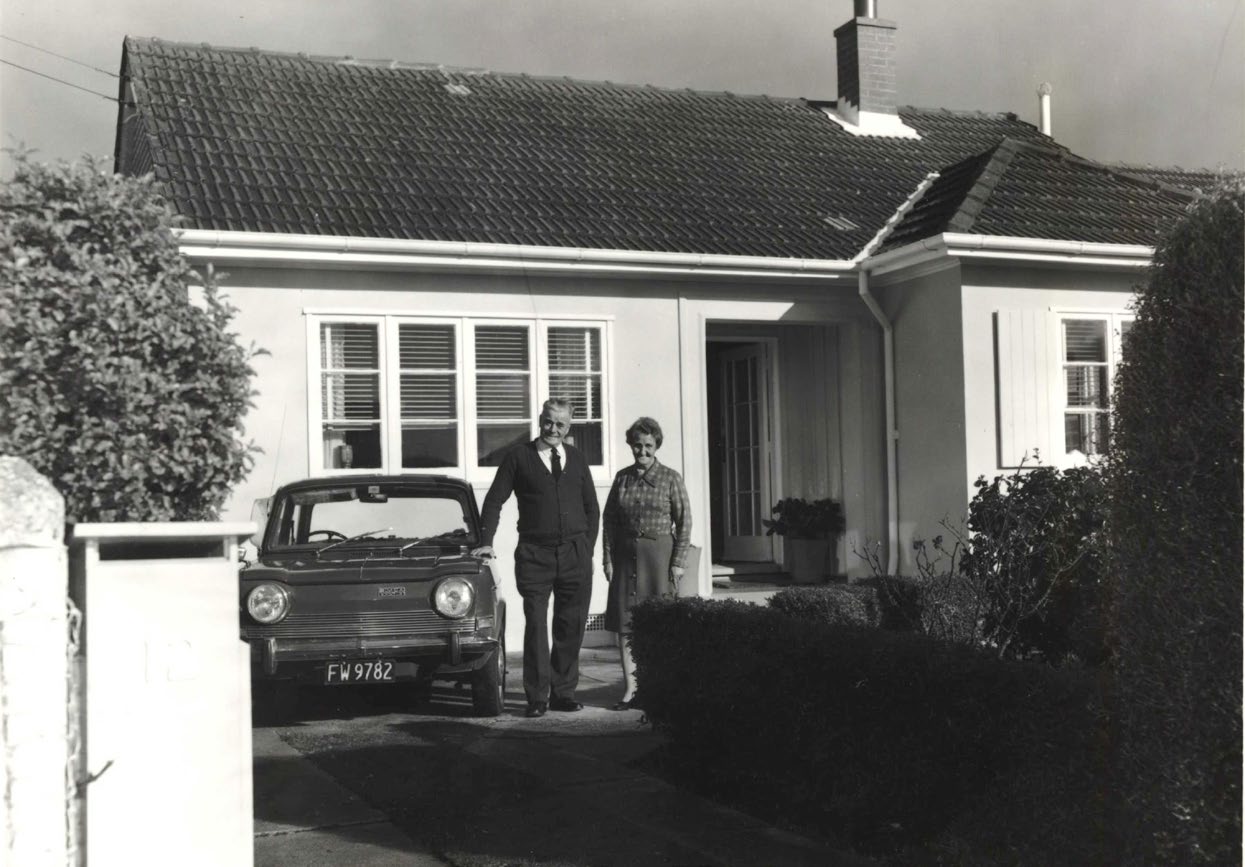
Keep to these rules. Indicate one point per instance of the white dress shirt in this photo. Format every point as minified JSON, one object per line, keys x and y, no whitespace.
{"x":546,"y":454}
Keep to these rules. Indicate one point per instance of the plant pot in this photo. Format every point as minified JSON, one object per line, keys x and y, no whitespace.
{"x":806,"y":559}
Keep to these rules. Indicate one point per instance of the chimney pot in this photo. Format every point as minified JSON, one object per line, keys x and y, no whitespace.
{"x":866,"y":9}
{"x":1044,"y":91}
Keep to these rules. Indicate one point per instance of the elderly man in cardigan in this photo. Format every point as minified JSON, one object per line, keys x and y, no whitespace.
{"x":558,"y":524}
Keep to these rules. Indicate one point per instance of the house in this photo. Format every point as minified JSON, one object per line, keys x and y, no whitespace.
{"x":839,"y":298}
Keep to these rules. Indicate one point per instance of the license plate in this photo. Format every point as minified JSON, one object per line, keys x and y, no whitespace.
{"x":363,"y":671}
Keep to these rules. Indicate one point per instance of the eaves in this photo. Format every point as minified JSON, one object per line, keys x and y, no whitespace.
{"x":264,"y":249}
{"x":1011,"y":250}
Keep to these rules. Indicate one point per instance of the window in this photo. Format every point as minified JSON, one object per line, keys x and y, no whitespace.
{"x":350,"y":395}
{"x":575,"y":375}
{"x":1091,"y":347}
{"x":503,"y":389}
{"x":407,"y":393}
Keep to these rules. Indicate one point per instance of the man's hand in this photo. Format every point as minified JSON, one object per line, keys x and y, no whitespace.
{"x":483,"y":551}
{"x":609,"y":571}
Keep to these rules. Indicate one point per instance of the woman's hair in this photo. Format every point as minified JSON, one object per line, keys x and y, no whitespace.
{"x":645,"y":425}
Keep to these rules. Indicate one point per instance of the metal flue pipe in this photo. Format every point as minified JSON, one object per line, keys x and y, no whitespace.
{"x":1044,"y":91}
{"x":866,"y":9}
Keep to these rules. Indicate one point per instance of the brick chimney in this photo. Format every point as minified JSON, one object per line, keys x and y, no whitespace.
{"x":866,"y":61}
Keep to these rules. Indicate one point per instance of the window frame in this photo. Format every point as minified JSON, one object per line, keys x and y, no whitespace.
{"x":1115,"y":319}
{"x":467,"y":420}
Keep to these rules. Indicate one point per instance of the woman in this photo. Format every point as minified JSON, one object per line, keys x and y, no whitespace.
{"x":647,"y":527}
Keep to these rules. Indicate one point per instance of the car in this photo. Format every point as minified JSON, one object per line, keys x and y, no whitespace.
{"x":370,"y":579}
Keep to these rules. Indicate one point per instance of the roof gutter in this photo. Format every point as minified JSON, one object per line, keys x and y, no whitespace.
{"x":1013,"y":249}
{"x":334,"y":251}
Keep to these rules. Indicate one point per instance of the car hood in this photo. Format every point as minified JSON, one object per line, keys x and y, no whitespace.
{"x":306,"y":569}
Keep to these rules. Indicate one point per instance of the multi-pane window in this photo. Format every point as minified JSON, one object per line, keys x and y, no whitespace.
{"x":503,"y":389}
{"x":428,"y":388}
{"x":350,"y":394}
{"x":408,"y":393}
{"x":575,"y":374}
{"x":1091,"y":347}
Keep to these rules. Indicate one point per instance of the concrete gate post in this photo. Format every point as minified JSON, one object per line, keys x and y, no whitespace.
{"x":34,"y":752}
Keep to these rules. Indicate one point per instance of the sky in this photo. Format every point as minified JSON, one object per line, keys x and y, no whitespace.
{"x":1159,"y":82}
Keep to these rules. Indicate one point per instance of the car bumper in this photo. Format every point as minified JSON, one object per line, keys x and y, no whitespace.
{"x":280,"y":658}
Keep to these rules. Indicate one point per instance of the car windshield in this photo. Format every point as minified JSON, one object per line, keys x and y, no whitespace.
{"x":401,"y":515}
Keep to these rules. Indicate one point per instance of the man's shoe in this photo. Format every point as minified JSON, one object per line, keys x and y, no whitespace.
{"x":535,"y":710}
{"x":566,"y":705}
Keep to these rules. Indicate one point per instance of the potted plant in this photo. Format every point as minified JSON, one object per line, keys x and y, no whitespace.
{"x":809,"y":529}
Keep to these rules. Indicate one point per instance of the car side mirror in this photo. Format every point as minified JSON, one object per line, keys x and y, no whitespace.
{"x":259,"y":514}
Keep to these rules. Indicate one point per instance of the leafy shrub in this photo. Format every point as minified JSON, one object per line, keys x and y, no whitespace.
{"x":1035,"y":559}
{"x":882,"y":737}
{"x":1175,"y":484}
{"x":119,"y":389}
{"x":1025,"y":575}
{"x":838,"y":604}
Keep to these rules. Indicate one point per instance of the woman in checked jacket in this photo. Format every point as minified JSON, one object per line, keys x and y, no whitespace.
{"x":647,"y":528}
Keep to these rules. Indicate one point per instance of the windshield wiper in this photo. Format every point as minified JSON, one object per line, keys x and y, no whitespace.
{"x":362,"y":535}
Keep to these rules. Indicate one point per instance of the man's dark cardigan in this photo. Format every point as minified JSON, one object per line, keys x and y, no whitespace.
{"x":549,"y":512}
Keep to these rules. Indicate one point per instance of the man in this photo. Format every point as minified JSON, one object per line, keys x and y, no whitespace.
{"x":558,"y":524}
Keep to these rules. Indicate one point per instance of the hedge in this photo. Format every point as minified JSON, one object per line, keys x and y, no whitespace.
{"x":881,"y":736}
{"x":1175,"y":484}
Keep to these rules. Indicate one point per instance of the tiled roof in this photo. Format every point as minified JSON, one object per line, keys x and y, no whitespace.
{"x":1021,"y":189}
{"x":266,"y":142}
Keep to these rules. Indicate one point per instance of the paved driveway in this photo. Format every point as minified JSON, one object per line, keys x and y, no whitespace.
{"x":369,"y":777}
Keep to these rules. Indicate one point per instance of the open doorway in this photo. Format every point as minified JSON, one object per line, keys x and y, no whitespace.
{"x":741,"y":453}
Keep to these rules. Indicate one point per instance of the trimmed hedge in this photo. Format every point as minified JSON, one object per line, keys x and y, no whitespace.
{"x":883,"y":737}
{"x":838,"y":604}
{"x":1175,"y":482}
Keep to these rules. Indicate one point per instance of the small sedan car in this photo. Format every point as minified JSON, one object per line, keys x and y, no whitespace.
{"x":370,"y":579}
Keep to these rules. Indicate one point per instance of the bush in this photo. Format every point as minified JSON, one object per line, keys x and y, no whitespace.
{"x":126,"y":395}
{"x":883,"y":737}
{"x":1175,"y":485}
{"x":836,"y":604}
{"x":1035,"y":560}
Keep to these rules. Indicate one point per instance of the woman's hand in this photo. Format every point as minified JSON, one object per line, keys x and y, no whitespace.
{"x":676,"y":575}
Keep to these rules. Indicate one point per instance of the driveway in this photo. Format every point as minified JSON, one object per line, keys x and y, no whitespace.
{"x":374,"y":777}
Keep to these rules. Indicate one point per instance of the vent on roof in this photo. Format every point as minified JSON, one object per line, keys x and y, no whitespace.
{"x":841,"y":223}
{"x":458,"y":89}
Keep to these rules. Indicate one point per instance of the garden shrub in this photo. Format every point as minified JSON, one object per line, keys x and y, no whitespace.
{"x":127,"y":396}
{"x":841,"y":604}
{"x":1035,"y":559}
{"x":1175,"y":485}
{"x":881,"y":736}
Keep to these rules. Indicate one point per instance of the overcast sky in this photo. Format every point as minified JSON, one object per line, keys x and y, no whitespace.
{"x":1137,"y":81}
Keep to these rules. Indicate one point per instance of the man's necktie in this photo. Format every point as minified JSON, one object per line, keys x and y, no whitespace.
{"x":557,"y":464}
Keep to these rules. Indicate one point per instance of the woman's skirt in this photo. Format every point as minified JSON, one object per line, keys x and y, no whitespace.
{"x":641,"y":571}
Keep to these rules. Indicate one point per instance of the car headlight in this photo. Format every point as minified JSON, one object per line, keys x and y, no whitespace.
{"x":268,"y":603}
{"x":454,"y":597}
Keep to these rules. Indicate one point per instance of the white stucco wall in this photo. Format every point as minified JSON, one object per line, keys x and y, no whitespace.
{"x":1046,"y":291}
{"x":929,"y":397}
{"x":947,"y":375}
{"x":654,"y":364}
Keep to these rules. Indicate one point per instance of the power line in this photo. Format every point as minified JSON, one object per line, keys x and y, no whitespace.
{"x":60,"y":81}
{"x":61,"y":56}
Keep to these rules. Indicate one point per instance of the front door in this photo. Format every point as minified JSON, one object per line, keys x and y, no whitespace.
{"x":745,"y":452}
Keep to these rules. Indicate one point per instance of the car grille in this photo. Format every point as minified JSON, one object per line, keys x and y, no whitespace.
{"x":373,"y":624}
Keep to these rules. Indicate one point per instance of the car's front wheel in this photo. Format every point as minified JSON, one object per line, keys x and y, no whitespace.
{"x":488,"y":683}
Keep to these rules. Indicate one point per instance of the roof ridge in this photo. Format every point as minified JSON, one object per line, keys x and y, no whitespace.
{"x":450,"y":69}
{"x":993,"y":165}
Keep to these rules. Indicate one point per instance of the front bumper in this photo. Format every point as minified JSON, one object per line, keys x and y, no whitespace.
{"x":449,"y":653}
